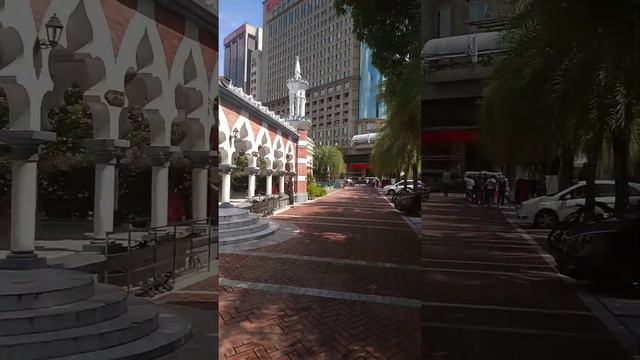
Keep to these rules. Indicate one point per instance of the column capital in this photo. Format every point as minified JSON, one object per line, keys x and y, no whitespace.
{"x":270,"y":172}
{"x":25,"y":144}
{"x":226,"y":168}
{"x":200,"y":159}
{"x":252,"y":170}
{"x":159,"y":155}
{"x":104,"y":150}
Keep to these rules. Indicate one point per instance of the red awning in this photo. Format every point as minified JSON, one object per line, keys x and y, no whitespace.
{"x":449,"y":136}
{"x":358,"y":166}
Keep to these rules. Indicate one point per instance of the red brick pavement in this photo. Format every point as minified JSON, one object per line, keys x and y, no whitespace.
{"x":490,"y":295}
{"x":257,"y":324}
{"x":265,"y":325}
{"x":355,"y":243}
{"x":330,"y":276}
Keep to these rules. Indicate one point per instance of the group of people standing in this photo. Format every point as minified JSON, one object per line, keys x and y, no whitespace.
{"x":486,"y":189}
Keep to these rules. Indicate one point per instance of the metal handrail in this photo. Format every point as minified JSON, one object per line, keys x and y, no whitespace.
{"x":154,"y":243}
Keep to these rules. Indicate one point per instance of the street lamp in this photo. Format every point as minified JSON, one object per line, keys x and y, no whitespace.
{"x":233,"y":137}
{"x":53,"y":28}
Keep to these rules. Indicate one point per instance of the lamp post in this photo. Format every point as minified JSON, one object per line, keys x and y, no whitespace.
{"x":53,"y":29}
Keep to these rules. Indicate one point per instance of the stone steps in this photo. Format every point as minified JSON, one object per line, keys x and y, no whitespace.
{"x":107,"y":303}
{"x":232,"y":224}
{"x":270,"y":230}
{"x":239,"y":226}
{"x":140,"y":320}
{"x":173,"y":332}
{"x":40,"y":288}
{"x":96,"y":322}
{"x":260,"y":225}
{"x":231,"y":214}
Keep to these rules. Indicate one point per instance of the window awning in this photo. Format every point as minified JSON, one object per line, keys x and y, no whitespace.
{"x":465,"y":136}
{"x":358,"y":166}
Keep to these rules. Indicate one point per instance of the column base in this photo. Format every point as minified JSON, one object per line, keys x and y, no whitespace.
{"x":26,"y":261}
{"x":301,"y":197}
{"x":226,"y":205}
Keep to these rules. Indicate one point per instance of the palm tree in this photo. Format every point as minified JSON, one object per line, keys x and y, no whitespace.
{"x":564,"y":83}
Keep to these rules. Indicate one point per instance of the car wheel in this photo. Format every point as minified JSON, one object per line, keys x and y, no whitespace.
{"x":546,"y":219}
{"x":390,"y":192}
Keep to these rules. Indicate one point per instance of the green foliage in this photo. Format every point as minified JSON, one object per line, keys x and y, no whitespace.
{"x":178,"y":134}
{"x":328,"y":158}
{"x":315,"y":190}
{"x":398,"y":143}
{"x":565,"y":87}
{"x":391,"y":28}
{"x":239,"y":175}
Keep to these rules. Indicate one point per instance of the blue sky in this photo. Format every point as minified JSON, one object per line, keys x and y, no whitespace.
{"x":233,"y":13}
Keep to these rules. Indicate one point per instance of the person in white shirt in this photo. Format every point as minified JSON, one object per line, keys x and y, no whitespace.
{"x":469,"y":183}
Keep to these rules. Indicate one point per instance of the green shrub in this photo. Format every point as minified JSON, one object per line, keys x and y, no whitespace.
{"x":315,"y":190}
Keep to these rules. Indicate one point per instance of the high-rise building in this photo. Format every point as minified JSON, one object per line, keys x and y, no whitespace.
{"x":239,"y":48}
{"x":372,"y":112}
{"x":461,"y":38}
{"x":330,"y":57}
{"x":256,"y":77}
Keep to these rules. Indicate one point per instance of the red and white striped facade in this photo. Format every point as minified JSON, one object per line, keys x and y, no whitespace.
{"x":282,"y":143}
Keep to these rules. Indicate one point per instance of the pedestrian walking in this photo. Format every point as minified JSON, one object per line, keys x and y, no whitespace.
{"x":469,"y":184}
{"x":502,"y":189}
{"x":490,"y":190}
{"x":446,"y":182}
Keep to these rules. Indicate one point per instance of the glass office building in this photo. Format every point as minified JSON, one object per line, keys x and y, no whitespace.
{"x":370,"y":80}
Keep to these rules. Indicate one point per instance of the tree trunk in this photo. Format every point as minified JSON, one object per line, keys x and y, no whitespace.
{"x":621,"y":149}
{"x":567,"y":155}
{"x":590,"y":176}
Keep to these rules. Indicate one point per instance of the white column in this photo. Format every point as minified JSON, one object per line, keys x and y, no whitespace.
{"x":104,"y":199}
{"x":24,"y":187}
{"x":199,"y":181}
{"x":251,"y":192}
{"x":159,"y":195}
{"x":281,"y":185}
{"x":225,"y":194}
{"x":269,"y":184}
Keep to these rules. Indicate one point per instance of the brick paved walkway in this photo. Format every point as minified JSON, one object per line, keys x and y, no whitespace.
{"x":489,"y":294}
{"x":344,"y":287}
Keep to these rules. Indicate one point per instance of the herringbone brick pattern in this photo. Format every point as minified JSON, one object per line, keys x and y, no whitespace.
{"x":354,"y":243}
{"x":259,"y":324}
{"x":262,"y":325}
{"x":316,"y":274}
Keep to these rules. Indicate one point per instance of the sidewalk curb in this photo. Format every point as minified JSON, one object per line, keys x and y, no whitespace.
{"x":627,"y":339}
{"x":406,"y":219}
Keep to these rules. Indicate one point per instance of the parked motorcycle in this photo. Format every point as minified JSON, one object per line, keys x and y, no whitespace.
{"x":599,"y":248}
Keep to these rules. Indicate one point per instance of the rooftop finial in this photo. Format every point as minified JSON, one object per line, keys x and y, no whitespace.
{"x":297,"y":74}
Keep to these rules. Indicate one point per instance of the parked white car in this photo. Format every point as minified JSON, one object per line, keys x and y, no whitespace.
{"x":546,"y":211}
{"x":394,"y":188}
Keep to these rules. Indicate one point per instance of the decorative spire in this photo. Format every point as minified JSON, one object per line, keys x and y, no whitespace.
{"x":297,"y":74}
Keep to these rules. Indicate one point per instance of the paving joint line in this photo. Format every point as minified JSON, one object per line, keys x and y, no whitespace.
{"x":331,"y":294}
{"x":350,"y":225}
{"x":483,"y":263}
{"x":321,"y":259}
{"x":507,"y":308}
{"x":515,"y":330}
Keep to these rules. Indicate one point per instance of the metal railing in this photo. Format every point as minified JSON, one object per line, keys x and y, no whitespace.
{"x":267,"y":205}
{"x":153,"y":257}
